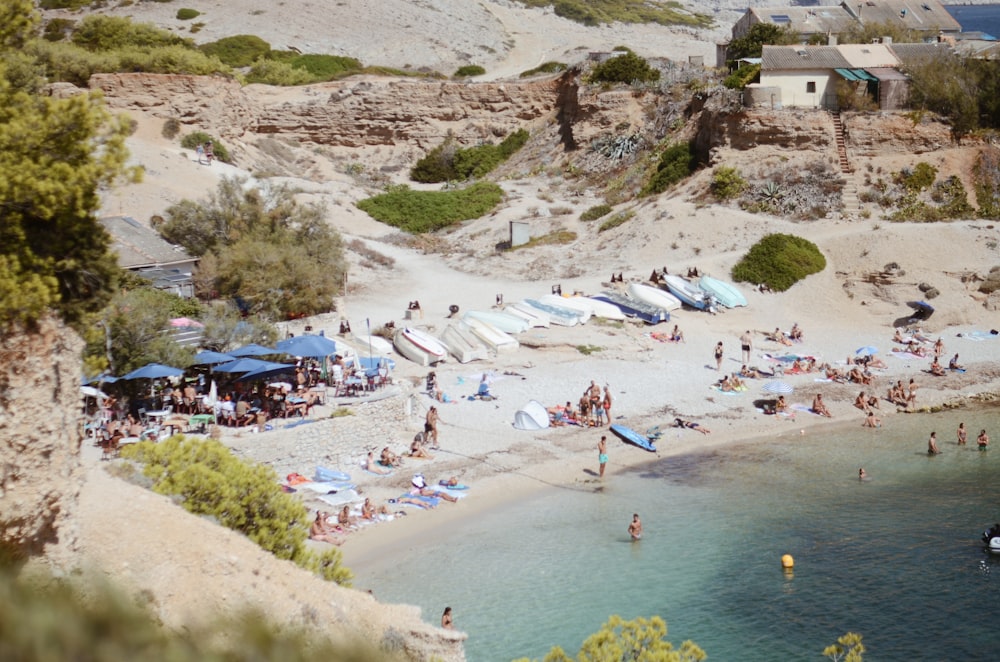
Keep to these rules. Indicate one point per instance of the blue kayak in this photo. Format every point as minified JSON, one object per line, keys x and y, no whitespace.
{"x":632,"y":437}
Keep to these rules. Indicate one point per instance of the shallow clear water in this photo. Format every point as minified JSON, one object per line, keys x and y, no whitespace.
{"x":897,"y":558}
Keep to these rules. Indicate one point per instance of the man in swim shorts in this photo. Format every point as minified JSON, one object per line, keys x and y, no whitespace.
{"x":635,"y":527}
{"x":602,"y":454}
{"x":745,"y":344}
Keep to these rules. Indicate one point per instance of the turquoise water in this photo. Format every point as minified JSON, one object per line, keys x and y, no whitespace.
{"x":897,"y":558}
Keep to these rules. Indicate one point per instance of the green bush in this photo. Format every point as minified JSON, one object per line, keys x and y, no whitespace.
{"x":545,"y":68}
{"x":209,"y":480}
{"x":779,"y":261}
{"x":595,"y":212}
{"x":918,"y":178}
{"x":98,"y":32}
{"x":742,"y":77}
{"x":171,"y":128}
{"x":676,"y":163}
{"x":192,"y":140}
{"x":276,"y":72}
{"x":58,"y":28}
{"x":625,"y":68}
{"x":187,"y":14}
{"x":237,"y":51}
{"x":727,"y":183}
{"x":64,"y":4}
{"x":326,"y":67}
{"x":446,"y":162}
{"x":615,"y":221}
{"x":469,"y":70}
{"x":596,"y":12}
{"x":986,"y":178}
{"x":424,"y":211}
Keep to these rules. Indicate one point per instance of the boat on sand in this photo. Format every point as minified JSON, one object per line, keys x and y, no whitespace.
{"x":560,"y":316}
{"x":632,"y":308}
{"x":534,"y":317}
{"x":419,"y":346}
{"x":497,"y":340}
{"x":504,"y":321}
{"x":689,"y":293}
{"x":463,"y":344}
{"x":725,"y":293}
{"x":654,"y":296}
{"x":578,"y":305}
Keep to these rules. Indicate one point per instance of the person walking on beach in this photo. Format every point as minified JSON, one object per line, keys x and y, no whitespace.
{"x":746,"y":341}
{"x":431,"y":426}
{"x":718,"y":355}
{"x":199,"y":151}
{"x":635,"y":527}
{"x":606,"y":403}
{"x":983,"y":440}
{"x":962,"y":434}
{"x":602,"y":454}
{"x":446,"y":621}
{"x":932,"y":447}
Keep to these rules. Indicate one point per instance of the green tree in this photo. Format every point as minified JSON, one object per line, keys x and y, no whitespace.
{"x":865,"y":33}
{"x":56,"y":154}
{"x":277,"y":256}
{"x":98,"y":32}
{"x":727,"y":183}
{"x":245,"y":497}
{"x":625,"y":68}
{"x":945,"y":85}
{"x":676,"y":163}
{"x":760,"y":35}
{"x":638,"y":640}
{"x":225,"y":328}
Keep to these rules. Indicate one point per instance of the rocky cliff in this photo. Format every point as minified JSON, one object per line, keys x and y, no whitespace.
{"x":40,"y":431}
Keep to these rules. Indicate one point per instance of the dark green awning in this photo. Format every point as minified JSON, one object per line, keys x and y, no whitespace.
{"x":856,"y":74}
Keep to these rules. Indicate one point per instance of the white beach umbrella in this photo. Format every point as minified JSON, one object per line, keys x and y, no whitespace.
{"x":778,"y":387}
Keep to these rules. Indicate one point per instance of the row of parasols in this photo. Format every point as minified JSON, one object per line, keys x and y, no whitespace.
{"x":242,"y":360}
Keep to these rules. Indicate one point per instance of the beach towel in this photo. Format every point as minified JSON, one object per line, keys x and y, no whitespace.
{"x":430,"y":502}
{"x":907,"y":355}
{"x":822,"y":379}
{"x":340,"y":498}
{"x":736,"y":392}
{"x":805,"y":408}
{"x":324,"y":487}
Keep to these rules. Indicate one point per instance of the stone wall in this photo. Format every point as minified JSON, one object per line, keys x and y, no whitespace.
{"x":40,"y":435}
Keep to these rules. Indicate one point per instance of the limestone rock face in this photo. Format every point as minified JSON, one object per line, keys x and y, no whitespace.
{"x":876,"y":134}
{"x":40,"y":435}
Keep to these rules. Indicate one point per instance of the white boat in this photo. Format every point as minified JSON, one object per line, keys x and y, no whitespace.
{"x":605,"y":309}
{"x":419,"y":346}
{"x":492,"y":337}
{"x":725,"y":293}
{"x":577,"y":305}
{"x":534,"y":316}
{"x":991,"y":538}
{"x":378,"y":345}
{"x":463,"y":344}
{"x":688,"y":292}
{"x":558,"y":314}
{"x":504,"y":321}
{"x":560,"y":317}
{"x":654,"y":296}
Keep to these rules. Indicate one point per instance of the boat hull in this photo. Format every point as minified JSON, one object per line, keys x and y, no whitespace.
{"x":725,"y":293}
{"x":372,"y":344}
{"x":689,"y":293}
{"x":558,"y":316}
{"x":654,"y":296}
{"x":492,"y":337}
{"x":504,"y":321}
{"x":463,"y":344}
{"x":534,"y":317}
{"x":573,"y":304}
{"x":421,"y":348}
{"x":637,"y":309}
{"x":605,"y":309}
{"x":631,"y":436}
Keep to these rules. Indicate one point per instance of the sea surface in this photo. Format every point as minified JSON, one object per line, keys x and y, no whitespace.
{"x":896,"y":558}
{"x":977,"y":18}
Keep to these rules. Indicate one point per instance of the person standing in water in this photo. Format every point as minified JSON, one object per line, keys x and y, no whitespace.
{"x":602,"y":454}
{"x":983,"y":440}
{"x":635,"y":527}
{"x":932,"y":444}
{"x":446,"y":621}
{"x":962,"y":434}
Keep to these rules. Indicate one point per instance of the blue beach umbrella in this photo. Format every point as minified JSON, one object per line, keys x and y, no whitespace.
{"x":309,"y":346}
{"x":208,"y":357}
{"x":783,"y":388}
{"x":253,"y":350}
{"x":248,"y":364}
{"x":867,"y":349}
{"x":265,"y":373}
{"x":153,"y":371}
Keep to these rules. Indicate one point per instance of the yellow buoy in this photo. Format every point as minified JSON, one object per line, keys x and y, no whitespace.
{"x":787,"y":561}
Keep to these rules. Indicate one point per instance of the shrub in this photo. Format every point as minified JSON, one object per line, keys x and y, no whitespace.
{"x":237,"y":51}
{"x":423,"y":211}
{"x":469,"y":70}
{"x":625,"y":68}
{"x":446,"y":162}
{"x":616,"y":220}
{"x":544,"y":68}
{"x":192,"y":140}
{"x":595,"y":212}
{"x":920,"y":177}
{"x":171,"y":128}
{"x":325,"y":67}
{"x":742,"y":77}
{"x":64,"y":4}
{"x":727,"y":183}
{"x":779,"y":261}
{"x":104,"y":33}
{"x":187,"y":14}
{"x":556,"y":238}
{"x":275,"y":72}
{"x":58,"y":28}
{"x":675,"y":164}
{"x":596,"y":12}
{"x":245,"y":497}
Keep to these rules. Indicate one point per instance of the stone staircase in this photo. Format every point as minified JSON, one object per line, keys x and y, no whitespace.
{"x":838,"y":128}
{"x":849,"y":194}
